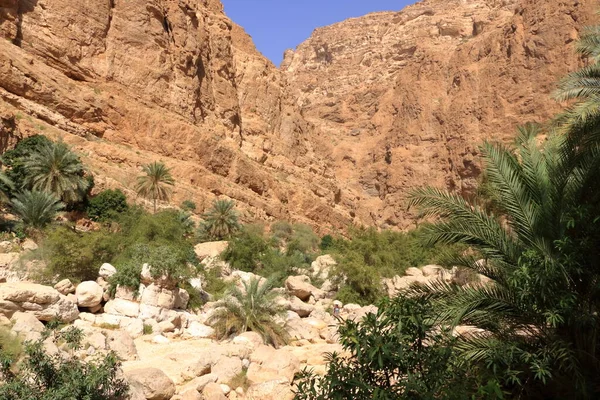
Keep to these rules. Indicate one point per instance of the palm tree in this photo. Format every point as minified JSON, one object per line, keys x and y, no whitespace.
{"x":540,"y":314}
{"x":221,"y":220}
{"x":6,"y":185}
{"x":156,"y":183}
{"x":254,"y":308}
{"x":36,"y":209}
{"x":584,"y":84}
{"x":55,"y":169}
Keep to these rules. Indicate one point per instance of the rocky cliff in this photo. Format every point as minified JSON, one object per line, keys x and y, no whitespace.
{"x":404,"y":99}
{"x":356,"y":115}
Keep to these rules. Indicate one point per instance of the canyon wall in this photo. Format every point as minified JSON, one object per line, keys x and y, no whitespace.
{"x":357,"y":115}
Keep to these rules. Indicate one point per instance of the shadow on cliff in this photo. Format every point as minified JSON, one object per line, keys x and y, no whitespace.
{"x":22,"y":7}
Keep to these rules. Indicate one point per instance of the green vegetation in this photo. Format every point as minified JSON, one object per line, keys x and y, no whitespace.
{"x":134,"y":237}
{"x":369,"y":255}
{"x":77,"y":255}
{"x":41,"y":376}
{"x":54,"y":168}
{"x":220,"y":221}
{"x":188,"y":205}
{"x":106,"y":205}
{"x":156,"y":183}
{"x":36,"y":209}
{"x":398,"y":353}
{"x":288,"y":251}
{"x":252,"y":308}
{"x":10,"y":344}
{"x":14,"y":160}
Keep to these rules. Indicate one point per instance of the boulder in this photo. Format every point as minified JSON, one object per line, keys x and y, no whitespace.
{"x":210,"y":249}
{"x":121,"y":343}
{"x":249,"y":338}
{"x":213,"y":391}
{"x":65,"y":287}
{"x":301,"y":287}
{"x":432,"y":270}
{"x":204,"y":380}
{"x":412,"y":271}
{"x":267,"y":363}
{"x":198,"y":330}
{"x":301,"y":308}
{"x":321,"y":267}
{"x":299,"y":330}
{"x":226,"y":368}
{"x":122,"y":307}
{"x":44,"y":302}
{"x":27,"y":326}
{"x":158,"y":297}
{"x":127,"y":293}
{"x":181,"y":299}
{"x":89,"y":294}
{"x":155,"y":384}
{"x":106,"y":271}
{"x":271,"y":390}
{"x":29,"y":245}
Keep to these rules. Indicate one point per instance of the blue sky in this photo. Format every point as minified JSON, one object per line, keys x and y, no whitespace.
{"x":277,"y":25}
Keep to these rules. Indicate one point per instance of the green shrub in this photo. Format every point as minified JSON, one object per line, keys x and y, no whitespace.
{"x":245,"y":250}
{"x":106,"y":205}
{"x":127,"y":275}
{"x":398,"y":353}
{"x":216,"y":286}
{"x":188,"y":205}
{"x":10,"y":344}
{"x":326,"y":242}
{"x":78,"y":255}
{"x":42,"y":376}
{"x":148,"y":329}
{"x":370,"y":255}
{"x":289,"y":250}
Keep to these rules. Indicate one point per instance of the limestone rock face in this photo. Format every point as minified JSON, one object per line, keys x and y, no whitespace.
{"x":44,"y":302}
{"x":405,"y":98}
{"x":356,"y":115}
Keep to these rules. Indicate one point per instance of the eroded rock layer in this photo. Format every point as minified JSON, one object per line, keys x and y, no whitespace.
{"x":358,"y":114}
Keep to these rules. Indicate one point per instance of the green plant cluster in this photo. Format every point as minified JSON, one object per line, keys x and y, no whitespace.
{"x":135,"y":237}
{"x":42,"y":376}
{"x":287,"y":250}
{"x":369,"y":255}
{"x":397,"y":353}
{"x":106,"y":205}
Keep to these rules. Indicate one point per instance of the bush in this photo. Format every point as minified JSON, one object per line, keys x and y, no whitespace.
{"x":188,"y":205}
{"x":326,"y":242}
{"x":397,"y":353}
{"x":41,"y":376}
{"x":246,"y":250}
{"x":136,"y":237}
{"x":78,"y":256}
{"x":10,"y":344}
{"x":127,"y":275}
{"x":251,"y":251}
{"x":106,"y":205}
{"x":369,"y":256}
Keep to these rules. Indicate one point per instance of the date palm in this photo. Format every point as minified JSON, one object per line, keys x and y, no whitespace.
{"x":542,"y":254}
{"x":582,"y":85}
{"x":156,"y":183}
{"x":36,"y":209}
{"x":253,"y":308}
{"x":55,"y":169}
{"x":221,"y":220}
